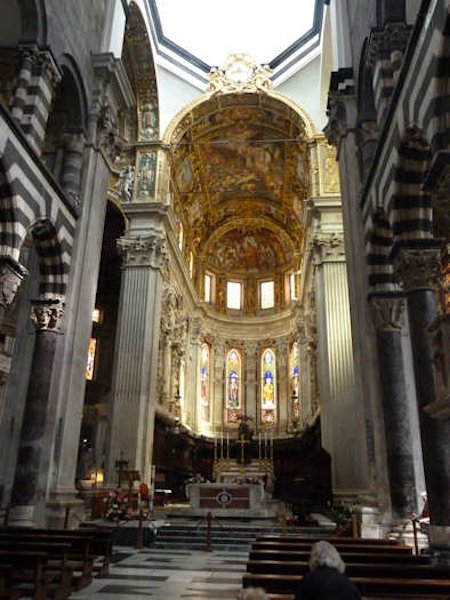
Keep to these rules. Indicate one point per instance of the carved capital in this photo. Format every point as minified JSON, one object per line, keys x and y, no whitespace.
{"x":328,"y":247}
{"x":11,"y":276}
{"x":342,"y":89}
{"x":418,"y":268}
{"x":143,"y":251}
{"x":384,"y":44}
{"x":49,"y":67}
{"x":387,"y":312}
{"x":47,"y":315}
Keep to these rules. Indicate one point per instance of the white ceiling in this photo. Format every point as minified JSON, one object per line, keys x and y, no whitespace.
{"x":211,"y":30}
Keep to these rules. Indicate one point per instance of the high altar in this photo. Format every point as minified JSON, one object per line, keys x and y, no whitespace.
{"x":239,"y":489}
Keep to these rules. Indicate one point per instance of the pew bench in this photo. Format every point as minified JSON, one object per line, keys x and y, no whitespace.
{"x":422,"y":571}
{"x":361,"y":557}
{"x":306,"y":547}
{"x":75,"y":551}
{"x":375,"y":586}
{"x":26,"y":573}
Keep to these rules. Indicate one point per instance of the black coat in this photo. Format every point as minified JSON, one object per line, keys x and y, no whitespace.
{"x":325,"y":583}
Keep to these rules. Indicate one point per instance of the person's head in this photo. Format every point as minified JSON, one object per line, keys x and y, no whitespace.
{"x":324,"y":554}
{"x":252,"y":593}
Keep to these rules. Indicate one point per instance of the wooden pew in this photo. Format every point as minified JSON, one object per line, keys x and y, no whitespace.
{"x":288,"y":537}
{"x":306,"y":547}
{"x":75,"y":550}
{"x":362,"y":557}
{"x":420,"y":571}
{"x":100,"y":542}
{"x":22,"y":573}
{"x":286,"y":584}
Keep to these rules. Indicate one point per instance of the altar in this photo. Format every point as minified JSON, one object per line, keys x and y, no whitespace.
{"x":225,"y":499}
{"x":238,"y":490}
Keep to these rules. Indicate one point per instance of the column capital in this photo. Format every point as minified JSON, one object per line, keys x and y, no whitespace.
{"x":388,"y":311}
{"x":418,"y":265}
{"x":49,"y":66}
{"x":12,"y":274}
{"x":341,"y":94}
{"x":328,"y":247}
{"x":144,"y":251}
{"x":383,"y":42}
{"x":47,"y":314}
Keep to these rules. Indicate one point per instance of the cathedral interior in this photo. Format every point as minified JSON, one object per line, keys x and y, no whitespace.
{"x":209,"y":263}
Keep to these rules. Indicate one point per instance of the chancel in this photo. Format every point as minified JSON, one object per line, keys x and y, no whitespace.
{"x":224,"y":266}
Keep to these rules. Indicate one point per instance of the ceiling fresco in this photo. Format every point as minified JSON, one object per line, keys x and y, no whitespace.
{"x":240,"y":173}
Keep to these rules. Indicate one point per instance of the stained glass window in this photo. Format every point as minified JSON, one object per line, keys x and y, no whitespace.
{"x":233,"y":388}
{"x":180,"y":236}
{"x":268,"y":387}
{"x":204,"y":383}
{"x":191,"y":264}
{"x":293,"y":286}
{"x":90,"y":366}
{"x":294,"y":369}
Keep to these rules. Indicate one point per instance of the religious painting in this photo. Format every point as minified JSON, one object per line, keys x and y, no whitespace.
{"x":204,"y":383}
{"x":148,"y":120}
{"x":90,"y":366}
{"x":243,"y":162}
{"x":146,"y":175}
{"x":184,"y":176}
{"x":294,"y":370}
{"x":268,"y":387}
{"x":233,"y":388}
{"x":249,"y":250}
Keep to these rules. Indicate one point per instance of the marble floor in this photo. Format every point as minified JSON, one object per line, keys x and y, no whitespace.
{"x":167,"y":574}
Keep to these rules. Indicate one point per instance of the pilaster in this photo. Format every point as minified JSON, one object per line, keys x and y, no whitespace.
{"x":136,"y":352}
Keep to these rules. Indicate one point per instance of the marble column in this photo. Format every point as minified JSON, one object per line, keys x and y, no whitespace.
{"x":134,"y":385}
{"x":388,"y":314}
{"x":218,"y":378}
{"x":29,"y":488}
{"x":284,"y":399}
{"x":342,"y":416}
{"x":418,"y":266}
{"x":193,"y":377}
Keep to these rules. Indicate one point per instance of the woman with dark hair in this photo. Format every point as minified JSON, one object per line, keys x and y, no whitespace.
{"x":326,"y":580}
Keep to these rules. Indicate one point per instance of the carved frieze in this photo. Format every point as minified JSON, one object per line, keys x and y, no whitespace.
{"x":144,"y":251}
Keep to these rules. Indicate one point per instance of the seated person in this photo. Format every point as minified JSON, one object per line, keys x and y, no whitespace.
{"x":326,"y":580}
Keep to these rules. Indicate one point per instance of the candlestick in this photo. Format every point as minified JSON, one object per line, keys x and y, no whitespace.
{"x":228,"y":445}
{"x":259,"y":445}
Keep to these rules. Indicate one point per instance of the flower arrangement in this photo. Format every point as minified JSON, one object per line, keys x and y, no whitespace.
{"x":117,"y":506}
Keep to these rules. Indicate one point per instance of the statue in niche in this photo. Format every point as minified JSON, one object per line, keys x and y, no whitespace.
{"x":126,"y":180}
{"x":148,"y":124}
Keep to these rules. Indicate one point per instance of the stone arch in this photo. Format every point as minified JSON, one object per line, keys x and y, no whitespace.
{"x":411,"y":211}
{"x":68,"y":116}
{"x":10,"y":237}
{"x":53,"y":269}
{"x":138,"y":57}
{"x":33,"y":20}
{"x":379,"y":257}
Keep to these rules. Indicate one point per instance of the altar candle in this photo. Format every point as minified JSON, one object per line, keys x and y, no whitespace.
{"x":259,"y":445}
{"x":265,"y":444}
{"x":228,"y":444}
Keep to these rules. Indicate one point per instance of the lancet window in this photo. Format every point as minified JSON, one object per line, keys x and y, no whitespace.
{"x":294,"y":370}
{"x":268,"y":387}
{"x":233,"y":388}
{"x":204,"y":383}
